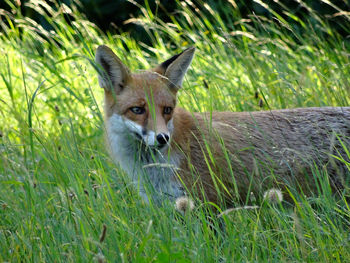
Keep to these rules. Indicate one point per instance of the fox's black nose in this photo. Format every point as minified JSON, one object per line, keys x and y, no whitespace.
{"x":162,"y":138}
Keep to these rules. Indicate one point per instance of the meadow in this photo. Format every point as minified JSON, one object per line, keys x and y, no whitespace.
{"x":62,"y":199}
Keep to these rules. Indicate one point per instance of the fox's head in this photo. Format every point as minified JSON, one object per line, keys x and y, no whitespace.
{"x":142,"y":103}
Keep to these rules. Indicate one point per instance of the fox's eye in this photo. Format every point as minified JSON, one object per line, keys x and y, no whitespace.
{"x":167,"y":110}
{"x":138,"y":110}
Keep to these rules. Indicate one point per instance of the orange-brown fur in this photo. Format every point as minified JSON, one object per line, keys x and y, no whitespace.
{"x":266,"y":149}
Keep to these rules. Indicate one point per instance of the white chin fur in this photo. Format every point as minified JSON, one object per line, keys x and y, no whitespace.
{"x":150,"y":138}
{"x":153,"y":177}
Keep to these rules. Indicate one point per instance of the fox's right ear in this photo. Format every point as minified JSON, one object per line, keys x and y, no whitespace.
{"x":112,"y":72}
{"x":175,"y":68}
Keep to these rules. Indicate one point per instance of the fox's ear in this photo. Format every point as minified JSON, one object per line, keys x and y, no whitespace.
{"x":113,"y":73}
{"x":176,"y":67}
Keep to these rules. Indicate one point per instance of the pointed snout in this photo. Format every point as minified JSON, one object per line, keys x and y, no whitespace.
{"x":160,"y":129}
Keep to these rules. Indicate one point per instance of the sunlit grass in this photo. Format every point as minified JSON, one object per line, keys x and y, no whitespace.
{"x":59,"y":186}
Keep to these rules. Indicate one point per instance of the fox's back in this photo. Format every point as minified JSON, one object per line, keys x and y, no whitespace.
{"x":297,"y":129}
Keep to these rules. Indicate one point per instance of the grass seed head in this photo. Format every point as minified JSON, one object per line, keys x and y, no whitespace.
{"x":100,"y":258}
{"x":184,"y":204}
{"x":273,"y":196}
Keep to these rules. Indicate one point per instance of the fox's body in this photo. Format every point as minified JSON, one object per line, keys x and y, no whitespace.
{"x":264,"y":149}
{"x":168,"y":151}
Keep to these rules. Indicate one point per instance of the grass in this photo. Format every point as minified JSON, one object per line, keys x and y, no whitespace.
{"x":59,"y":188}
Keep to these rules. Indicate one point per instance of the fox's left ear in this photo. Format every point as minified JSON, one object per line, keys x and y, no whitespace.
{"x":113,"y":73}
{"x":175,"y":68}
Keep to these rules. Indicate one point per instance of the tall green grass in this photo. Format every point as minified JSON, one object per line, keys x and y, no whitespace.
{"x":59,"y":187}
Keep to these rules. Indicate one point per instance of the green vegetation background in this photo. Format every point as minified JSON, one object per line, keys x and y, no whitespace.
{"x":58,"y":186}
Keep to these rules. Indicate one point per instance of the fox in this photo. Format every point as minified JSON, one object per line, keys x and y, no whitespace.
{"x":169,"y":152}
